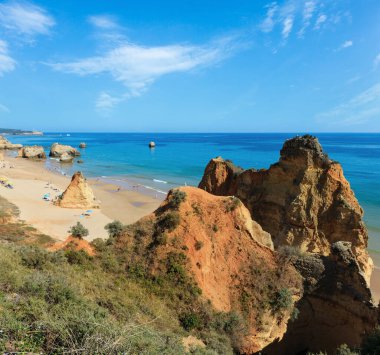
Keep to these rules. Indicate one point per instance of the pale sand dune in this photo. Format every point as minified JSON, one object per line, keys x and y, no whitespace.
{"x":30,"y":180}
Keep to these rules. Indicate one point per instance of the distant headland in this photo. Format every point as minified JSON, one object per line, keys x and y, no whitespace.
{"x":20,"y":132}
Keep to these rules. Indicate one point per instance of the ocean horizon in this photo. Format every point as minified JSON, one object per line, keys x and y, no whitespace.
{"x":180,"y":159}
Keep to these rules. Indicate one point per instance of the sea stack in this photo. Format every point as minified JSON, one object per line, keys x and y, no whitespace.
{"x":152,"y":144}
{"x":78,"y":194}
{"x":82,"y":145}
{"x":57,"y":150}
{"x":304,"y":200}
{"x":32,"y":152}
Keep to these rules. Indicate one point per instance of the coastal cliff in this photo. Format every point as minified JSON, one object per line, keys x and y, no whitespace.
{"x":227,"y":256}
{"x":303,"y":200}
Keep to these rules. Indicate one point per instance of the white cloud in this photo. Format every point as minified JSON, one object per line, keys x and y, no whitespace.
{"x":269,"y":22}
{"x":376,"y":62}
{"x":4,"y":108}
{"x":105,"y":102}
{"x":359,"y":109}
{"x":103,"y":22}
{"x":137,"y":67}
{"x":7,"y":63}
{"x":347,"y":44}
{"x":320,"y":21}
{"x":308,"y":12}
{"x":300,"y":16}
{"x":288,"y":25}
{"x":25,"y":18}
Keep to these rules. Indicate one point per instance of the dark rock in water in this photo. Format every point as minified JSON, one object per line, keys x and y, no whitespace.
{"x":80,"y":161}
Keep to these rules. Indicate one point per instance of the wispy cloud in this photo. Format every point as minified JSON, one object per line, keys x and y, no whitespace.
{"x":103,"y":22}
{"x":361,"y":108}
{"x":25,"y":18}
{"x":345,"y":44}
{"x":376,"y":62}
{"x":268,"y":24}
{"x":137,"y":66}
{"x":307,"y":15}
{"x":7,"y":63}
{"x":4,"y":108}
{"x":106,"y":102}
{"x":299,"y":16}
{"x":320,"y":21}
{"x":288,"y":25}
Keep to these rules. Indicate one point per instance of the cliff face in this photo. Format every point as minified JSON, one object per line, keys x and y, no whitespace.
{"x":78,"y":194}
{"x":303,"y":200}
{"x":231,"y":260}
{"x":336,"y":307}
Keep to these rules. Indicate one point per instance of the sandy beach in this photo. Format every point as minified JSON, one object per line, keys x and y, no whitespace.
{"x":31,"y":181}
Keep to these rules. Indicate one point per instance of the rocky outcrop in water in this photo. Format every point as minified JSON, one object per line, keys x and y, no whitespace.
{"x":57,"y":150}
{"x":303,"y":200}
{"x":66,"y":158}
{"x":78,"y":194}
{"x":5,"y":144}
{"x":32,"y":152}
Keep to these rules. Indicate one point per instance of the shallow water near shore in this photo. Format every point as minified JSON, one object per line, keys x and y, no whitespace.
{"x":180,"y":159}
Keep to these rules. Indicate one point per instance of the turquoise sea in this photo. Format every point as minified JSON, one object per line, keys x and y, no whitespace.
{"x":178,"y":159}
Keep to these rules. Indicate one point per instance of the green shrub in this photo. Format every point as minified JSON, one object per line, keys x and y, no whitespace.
{"x":232,"y":203}
{"x":282,"y":300}
{"x":115,"y":229}
{"x":169,"y":221}
{"x":99,"y":244}
{"x":176,"y":198}
{"x":190,"y":321}
{"x":371,"y":344}
{"x":78,"y":231}
{"x":161,"y":239}
{"x":198,"y":245}
{"x":345,"y":350}
{"x":77,"y":257}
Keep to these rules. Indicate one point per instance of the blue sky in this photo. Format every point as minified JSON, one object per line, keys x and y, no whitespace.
{"x":200,"y":65}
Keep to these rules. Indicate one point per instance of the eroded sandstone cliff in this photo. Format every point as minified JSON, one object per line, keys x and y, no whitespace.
{"x":336,"y":307}
{"x":78,"y":194}
{"x":229,"y":257}
{"x":303,"y":200}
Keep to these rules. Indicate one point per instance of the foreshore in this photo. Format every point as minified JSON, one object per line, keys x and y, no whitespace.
{"x":32,"y":180}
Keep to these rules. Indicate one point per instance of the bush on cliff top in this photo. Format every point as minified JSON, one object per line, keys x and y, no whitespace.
{"x":78,"y":231}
